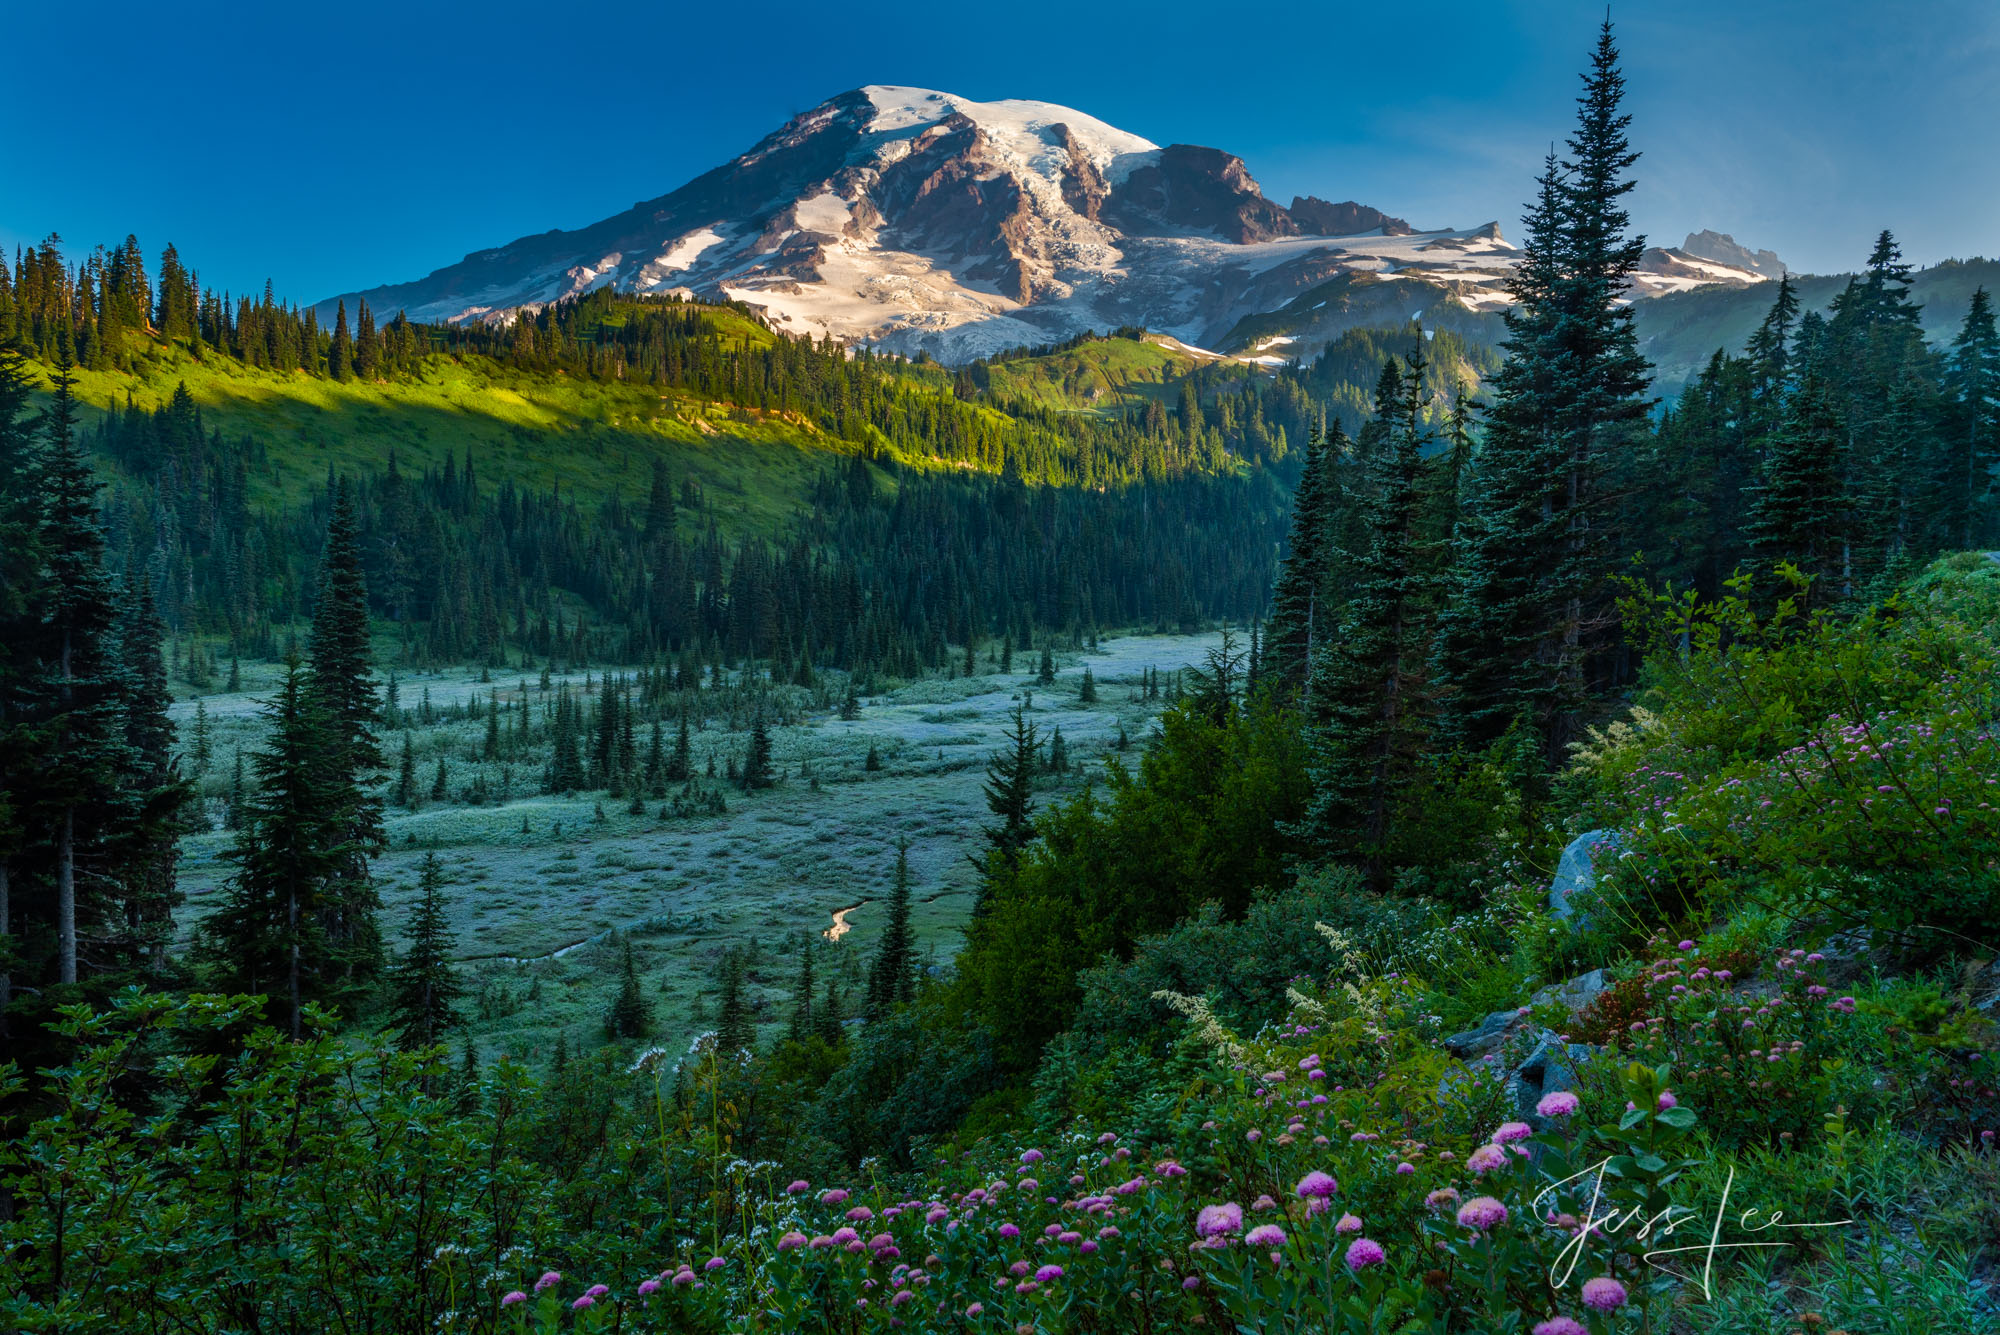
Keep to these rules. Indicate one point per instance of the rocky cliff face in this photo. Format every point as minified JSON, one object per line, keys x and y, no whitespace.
{"x":922,"y":221}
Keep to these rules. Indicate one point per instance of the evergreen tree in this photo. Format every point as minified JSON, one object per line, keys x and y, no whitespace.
{"x":1296,"y":599}
{"x":1973,"y":440}
{"x":565,"y":765}
{"x":440,"y":783}
{"x":344,"y":687}
{"x":827,"y":1023}
{"x":21,"y":585}
{"x":340,"y":356}
{"x":202,"y":753}
{"x":1086,"y":693}
{"x":872,"y":762}
{"x":424,"y":987}
{"x":735,"y":1029}
{"x":892,"y":977}
{"x":291,"y":856}
{"x":757,"y":771}
{"x":153,"y":793}
{"x":406,"y":776}
{"x":83,"y":747}
{"x":1010,"y":796}
{"x":1530,"y":605}
{"x":680,"y":765}
{"x":631,"y":1014}
{"x":801,"y":1025}
{"x":1371,"y":680}
{"x":1800,"y":507}
{"x":1058,"y":752}
{"x":1046,"y":674}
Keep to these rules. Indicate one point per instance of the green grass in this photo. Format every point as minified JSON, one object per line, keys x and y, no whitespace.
{"x":594,"y":439}
{"x":1098,"y":376}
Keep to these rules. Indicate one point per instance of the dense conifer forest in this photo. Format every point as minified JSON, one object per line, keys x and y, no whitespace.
{"x":1275,"y":1019}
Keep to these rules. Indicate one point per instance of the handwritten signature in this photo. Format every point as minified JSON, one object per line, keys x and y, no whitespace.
{"x":1662,"y":1227}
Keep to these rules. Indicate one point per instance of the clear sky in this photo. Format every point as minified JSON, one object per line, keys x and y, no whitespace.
{"x":331,"y":147}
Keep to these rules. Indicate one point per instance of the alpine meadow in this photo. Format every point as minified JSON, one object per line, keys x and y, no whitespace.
{"x":966,"y":724}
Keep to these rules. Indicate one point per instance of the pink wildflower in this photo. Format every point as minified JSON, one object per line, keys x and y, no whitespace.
{"x":1266,"y":1235}
{"x":515,"y":1297}
{"x":548,"y":1280}
{"x":1559,"y":1325}
{"x":1364,"y":1252}
{"x":1485,"y":1159}
{"x":1317,"y":1183}
{"x":1510,"y":1132}
{"x":1604,"y":1294}
{"x":1483,"y":1213}
{"x":1562,"y":1103}
{"x":1217,"y":1221}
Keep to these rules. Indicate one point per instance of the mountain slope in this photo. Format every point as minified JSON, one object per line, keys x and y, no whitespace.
{"x":926,"y":222}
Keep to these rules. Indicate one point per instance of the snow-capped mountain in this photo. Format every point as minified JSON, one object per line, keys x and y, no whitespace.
{"x":919,"y":220}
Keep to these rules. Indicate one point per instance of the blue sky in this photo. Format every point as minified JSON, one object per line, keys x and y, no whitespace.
{"x":336,"y":147}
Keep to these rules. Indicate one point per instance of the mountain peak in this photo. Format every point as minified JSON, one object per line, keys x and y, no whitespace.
{"x":920,"y":220}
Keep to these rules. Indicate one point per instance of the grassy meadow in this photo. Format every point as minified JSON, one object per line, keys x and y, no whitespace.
{"x":544,"y":890}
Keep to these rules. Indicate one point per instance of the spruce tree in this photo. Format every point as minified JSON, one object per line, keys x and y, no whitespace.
{"x":1010,"y":796}
{"x":1296,"y":599}
{"x":1531,"y":606}
{"x":406,"y":776}
{"x":1370,"y":681}
{"x":21,"y":584}
{"x":735,"y":1029}
{"x":680,"y":765}
{"x":292,"y":856}
{"x":1972,"y":443}
{"x":1046,"y":674}
{"x":344,"y":688}
{"x":827,"y":1023}
{"x":83,"y":749}
{"x":892,"y":977}
{"x":424,"y":986}
{"x":631,"y":1014}
{"x":1086,"y":693}
{"x":1800,"y":507}
{"x":154,"y":795}
{"x":801,"y":1025}
{"x":757,"y":771}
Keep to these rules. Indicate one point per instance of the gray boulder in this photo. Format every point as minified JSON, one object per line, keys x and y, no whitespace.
{"x":1577,"y":871}
{"x":1550,"y":1067}
{"x":1486,"y":1036}
{"x":1575,"y":994}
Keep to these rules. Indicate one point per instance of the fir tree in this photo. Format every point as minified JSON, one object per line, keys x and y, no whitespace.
{"x":892,"y":977}
{"x":291,"y":856}
{"x":440,"y":783}
{"x":1010,"y":796}
{"x":84,"y":749}
{"x":1973,"y":440}
{"x":757,"y":771}
{"x":827,"y":1018}
{"x":342,"y":682}
{"x":1800,"y":507}
{"x":1046,"y":674}
{"x":424,"y":987}
{"x":1298,"y":618}
{"x":631,"y":1014}
{"x":801,"y":1026}
{"x":680,"y":765}
{"x":1086,"y":693}
{"x":153,"y":791}
{"x":406,"y":776}
{"x":1371,"y":679}
{"x":872,"y":762}
{"x":340,"y":356}
{"x":735,"y":1030}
